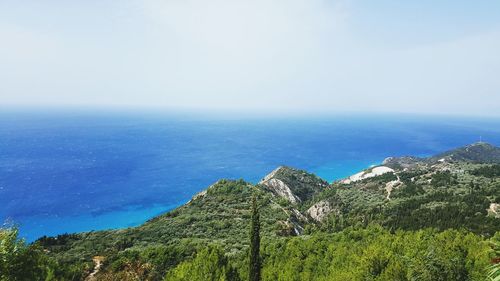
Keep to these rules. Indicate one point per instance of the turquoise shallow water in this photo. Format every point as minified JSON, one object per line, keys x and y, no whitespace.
{"x":68,"y":172}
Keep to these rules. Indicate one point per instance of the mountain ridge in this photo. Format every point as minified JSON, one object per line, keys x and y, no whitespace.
{"x":478,"y":152}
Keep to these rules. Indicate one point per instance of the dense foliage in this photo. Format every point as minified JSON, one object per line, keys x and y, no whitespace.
{"x":17,"y":260}
{"x":488,"y":171}
{"x":22,"y":262}
{"x":356,"y":254}
{"x":210,"y":264}
{"x":376,"y":254}
{"x":494,"y":273}
{"x":254,"y":259}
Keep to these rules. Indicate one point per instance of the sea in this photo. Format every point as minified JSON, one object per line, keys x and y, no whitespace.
{"x":73,"y":171}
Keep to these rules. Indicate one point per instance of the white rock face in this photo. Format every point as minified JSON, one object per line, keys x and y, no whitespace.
{"x":319,"y":210}
{"x":270,"y":175}
{"x":299,"y":215}
{"x":281,"y":189}
{"x":377,"y":171}
{"x":494,"y":209}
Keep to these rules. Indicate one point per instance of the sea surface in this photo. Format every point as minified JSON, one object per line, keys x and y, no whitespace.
{"x":63,"y":172}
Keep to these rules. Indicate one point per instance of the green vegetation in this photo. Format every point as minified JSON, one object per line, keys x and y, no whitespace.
{"x":22,"y":262}
{"x":442,"y":211}
{"x":444,"y":178}
{"x":254,"y":260}
{"x":488,"y":171}
{"x":372,"y":253}
{"x":210,"y":264}
{"x":302,"y":184}
{"x":440,"y":222}
{"x":19,"y":261}
{"x":494,"y":273}
{"x":479,"y":152}
{"x":376,"y":254}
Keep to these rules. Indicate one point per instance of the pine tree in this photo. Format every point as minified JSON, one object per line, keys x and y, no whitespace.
{"x":254,"y":266}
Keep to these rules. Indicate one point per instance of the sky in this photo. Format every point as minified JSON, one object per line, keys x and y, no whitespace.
{"x":279,"y":56}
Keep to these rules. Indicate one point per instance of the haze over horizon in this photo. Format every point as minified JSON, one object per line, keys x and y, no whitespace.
{"x":298,"y":56}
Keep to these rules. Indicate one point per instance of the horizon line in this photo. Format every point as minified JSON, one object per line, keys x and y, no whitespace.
{"x":228,"y":112}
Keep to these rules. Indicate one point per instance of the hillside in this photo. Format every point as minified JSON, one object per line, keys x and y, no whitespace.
{"x":457,"y":190}
{"x":479,"y":152}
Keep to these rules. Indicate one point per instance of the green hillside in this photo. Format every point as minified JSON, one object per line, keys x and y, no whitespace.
{"x":422,"y":219}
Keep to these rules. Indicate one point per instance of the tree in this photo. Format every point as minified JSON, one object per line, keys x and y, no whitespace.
{"x":19,"y":261}
{"x":255,"y":263}
{"x":210,"y":264}
{"x":494,"y":270}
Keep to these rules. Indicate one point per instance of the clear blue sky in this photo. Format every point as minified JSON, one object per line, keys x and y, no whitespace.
{"x":297,"y":56}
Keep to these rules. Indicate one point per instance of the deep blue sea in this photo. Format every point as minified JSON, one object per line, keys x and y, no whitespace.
{"x":69,"y":172}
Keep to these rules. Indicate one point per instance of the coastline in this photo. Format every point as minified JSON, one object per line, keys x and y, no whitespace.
{"x":132,"y":216}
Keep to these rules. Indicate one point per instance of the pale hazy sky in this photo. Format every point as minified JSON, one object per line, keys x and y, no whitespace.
{"x":300,"y":56}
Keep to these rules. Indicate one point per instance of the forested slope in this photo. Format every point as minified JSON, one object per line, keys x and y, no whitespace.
{"x":409,"y":219}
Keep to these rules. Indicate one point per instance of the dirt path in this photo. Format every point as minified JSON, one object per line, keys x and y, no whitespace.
{"x":98,"y":263}
{"x":390,"y":186}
